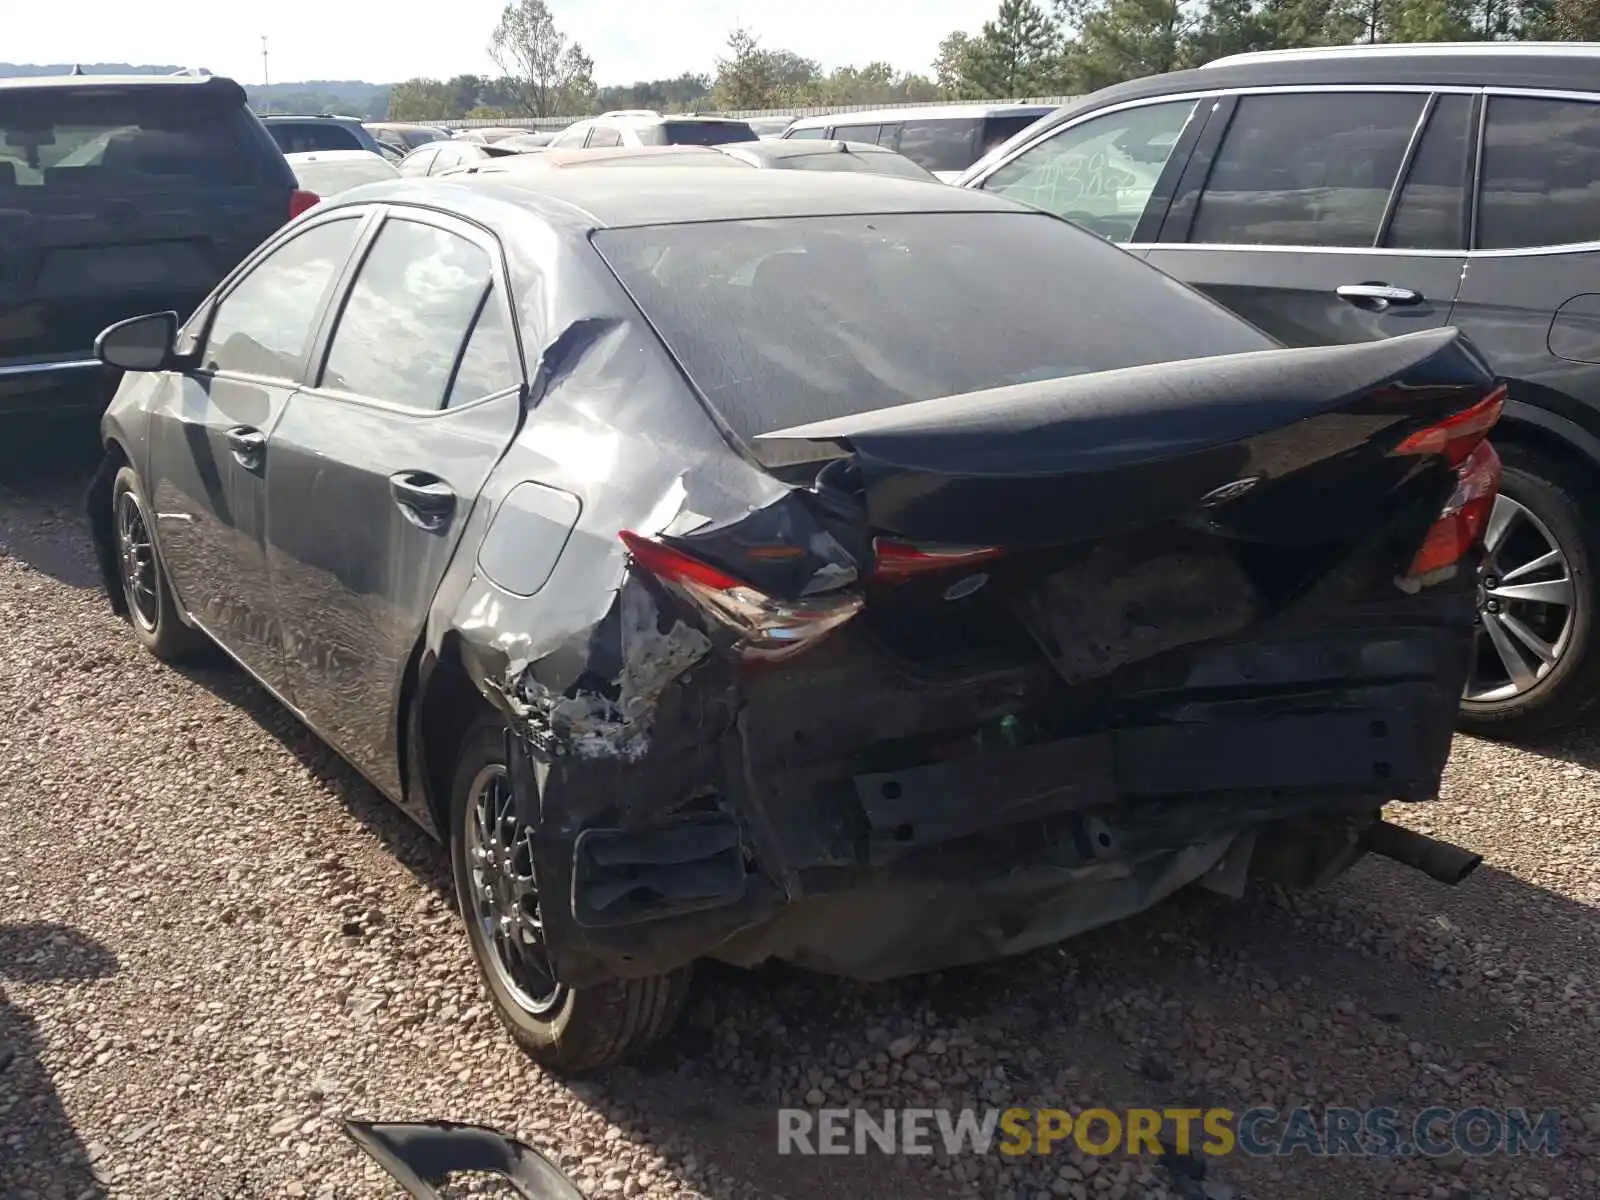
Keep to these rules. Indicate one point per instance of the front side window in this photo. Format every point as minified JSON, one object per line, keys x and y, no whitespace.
{"x":1306,"y":169}
{"x":1541,"y":173}
{"x":572,"y":137}
{"x":452,"y":155}
{"x":404,"y":324}
{"x":813,"y":132}
{"x":604,"y":135}
{"x":265,"y":324}
{"x":856,"y":133}
{"x":1100,"y":173}
{"x":418,"y":162}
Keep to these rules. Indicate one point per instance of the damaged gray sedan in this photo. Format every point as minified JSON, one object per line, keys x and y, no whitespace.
{"x":834,"y":569}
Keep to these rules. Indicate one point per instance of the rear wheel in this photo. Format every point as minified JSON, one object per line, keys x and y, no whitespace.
{"x":569,"y":1030}
{"x":152,"y":611}
{"x":1536,"y":660}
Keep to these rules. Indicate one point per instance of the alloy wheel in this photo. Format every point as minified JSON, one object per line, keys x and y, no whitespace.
{"x":1527,"y":605}
{"x":136,"y":560}
{"x":505,"y":896}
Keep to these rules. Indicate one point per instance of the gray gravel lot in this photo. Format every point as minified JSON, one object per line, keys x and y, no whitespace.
{"x":215,"y":942}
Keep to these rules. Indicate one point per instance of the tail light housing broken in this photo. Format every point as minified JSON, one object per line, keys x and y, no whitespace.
{"x":768,"y":628}
{"x":1461,"y":440}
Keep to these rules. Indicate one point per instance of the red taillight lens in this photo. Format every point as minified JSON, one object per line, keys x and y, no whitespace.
{"x":300,"y":200}
{"x":902,"y":560}
{"x":1457,"y":436}
{"x":1460,"y":527}
{"x":768,"y":628}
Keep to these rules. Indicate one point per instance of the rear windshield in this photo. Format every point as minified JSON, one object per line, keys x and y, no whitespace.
{"x":330,"y":178}
{"x":706,"y":133}
{"x":875,"y":162}
{"x":108,"y":139}
{"x":294,"y":137}
{"x":780,"y":322}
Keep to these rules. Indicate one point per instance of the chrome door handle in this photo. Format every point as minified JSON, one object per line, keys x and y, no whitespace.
{"x":248,"y":445}
{"x":1377,"y":296}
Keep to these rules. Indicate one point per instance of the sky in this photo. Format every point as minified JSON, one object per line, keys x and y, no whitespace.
{"x":629,"y":40}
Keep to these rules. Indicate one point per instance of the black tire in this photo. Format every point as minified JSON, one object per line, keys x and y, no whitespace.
{"x":577,"y":1030}
{"x":152,"y":612}
{"x":1562,"y":500}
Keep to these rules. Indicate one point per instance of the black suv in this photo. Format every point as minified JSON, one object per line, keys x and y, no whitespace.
{"x":1358,"y":192}
{"x":119,"y":196}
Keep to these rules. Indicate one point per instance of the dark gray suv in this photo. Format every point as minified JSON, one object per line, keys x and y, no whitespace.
{"x":1352,"y":193}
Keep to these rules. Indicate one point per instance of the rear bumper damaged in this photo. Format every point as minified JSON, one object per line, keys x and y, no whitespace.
{"x":854,"y":816}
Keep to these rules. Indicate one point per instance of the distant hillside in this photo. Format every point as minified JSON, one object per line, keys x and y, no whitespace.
{"x":348,"y":97}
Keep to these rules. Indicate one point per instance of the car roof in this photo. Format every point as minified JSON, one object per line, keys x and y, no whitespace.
{"x":634,"y":196}
{"x":1587,"y":50}
{"x":952,"y":112}
{"x":204,"y":83}
{"x":1500,"y":64}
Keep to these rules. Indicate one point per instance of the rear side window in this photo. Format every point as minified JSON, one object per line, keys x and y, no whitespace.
{"x":780,"y":322}
{"x":1310,"y":169}
{"x":487,"y":366}
{"x":1430,"y":213}
{"x":940,"y":145}
{"x":1541,"y":174}
{"x":263,"y":326}
{"x":308,"y":137}
{"x":114,"y":139}
{"x":406,"y":320}
{"x":706,"y":133}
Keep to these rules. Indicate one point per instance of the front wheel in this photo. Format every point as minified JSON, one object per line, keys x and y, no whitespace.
{"x":568,"y":1030}
{"x":1536,"y":660}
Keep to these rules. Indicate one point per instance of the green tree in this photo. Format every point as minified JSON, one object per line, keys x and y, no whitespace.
{"x":747,"y":77}
{"x":1019,"y":53}
{"x":950,"y":65}
{"x":421,"y":100}
{"x":548,"y":74}
{"x":1127,"y":39}
{"x":1575,"y":20}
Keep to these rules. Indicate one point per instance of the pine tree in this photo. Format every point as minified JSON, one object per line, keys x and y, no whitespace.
{"x":1017,"y":54}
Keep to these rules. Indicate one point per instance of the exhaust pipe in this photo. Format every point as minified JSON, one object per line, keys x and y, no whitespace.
{"x":1439,"y":860}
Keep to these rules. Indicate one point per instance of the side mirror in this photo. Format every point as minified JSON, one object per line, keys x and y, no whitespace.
{"x":144,"y":343}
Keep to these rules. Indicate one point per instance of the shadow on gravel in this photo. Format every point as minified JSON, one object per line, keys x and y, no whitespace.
{"x":44,"y":469}
{"x":43,"y":1155}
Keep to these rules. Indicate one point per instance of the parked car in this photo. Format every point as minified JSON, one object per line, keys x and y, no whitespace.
{"x":769,"y":127}
{"x":1337,"y":195}
{"x":945,"y":139}
{"x":799,"y":156}
{"x":330,"y":172}
{"x":437,"y":157}
{"x":304,"y":135}
{"x":843,"y":570}
{"x":537,"y":139}
{"x":487,"y":137}
{"x":119,"y":195}
{"x":407,"y":137}
{"x":642,"y":128}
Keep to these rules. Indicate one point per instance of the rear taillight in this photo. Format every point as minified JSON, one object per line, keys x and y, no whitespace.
{"x":1458,"y":435}
{"x":768,"y":628}
{"x":300,"y":200}
{"x":902,"y":560}
{"x":1460,"y":526}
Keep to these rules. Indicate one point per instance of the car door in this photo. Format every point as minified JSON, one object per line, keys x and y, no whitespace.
{"x":375,"y":468}
{"x":1106,"y":171}
{"x":208,"y":433}
{"x":1326,"y":216}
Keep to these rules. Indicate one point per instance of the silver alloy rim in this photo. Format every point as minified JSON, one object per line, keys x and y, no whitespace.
{"x":137,"y":562}
{"x":505,"y":898}
{"x":1526,"y":605}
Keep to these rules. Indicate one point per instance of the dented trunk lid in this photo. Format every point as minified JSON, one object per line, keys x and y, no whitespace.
{"x":1283,"y":446}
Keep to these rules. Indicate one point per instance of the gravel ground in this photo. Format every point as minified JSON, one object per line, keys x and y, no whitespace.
{"x":215,"y":942}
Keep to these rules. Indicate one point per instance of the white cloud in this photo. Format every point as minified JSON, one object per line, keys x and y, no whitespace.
{"x":340,"y":39}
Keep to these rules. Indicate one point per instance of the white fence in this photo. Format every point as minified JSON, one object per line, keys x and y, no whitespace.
{"x":742,"y":113}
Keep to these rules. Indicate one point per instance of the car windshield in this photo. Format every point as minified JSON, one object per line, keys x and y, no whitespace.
{"x":784,"y":321}
{"x":331,"y":176}
{"x":706,"y":133}
{"x":105,"y":140}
